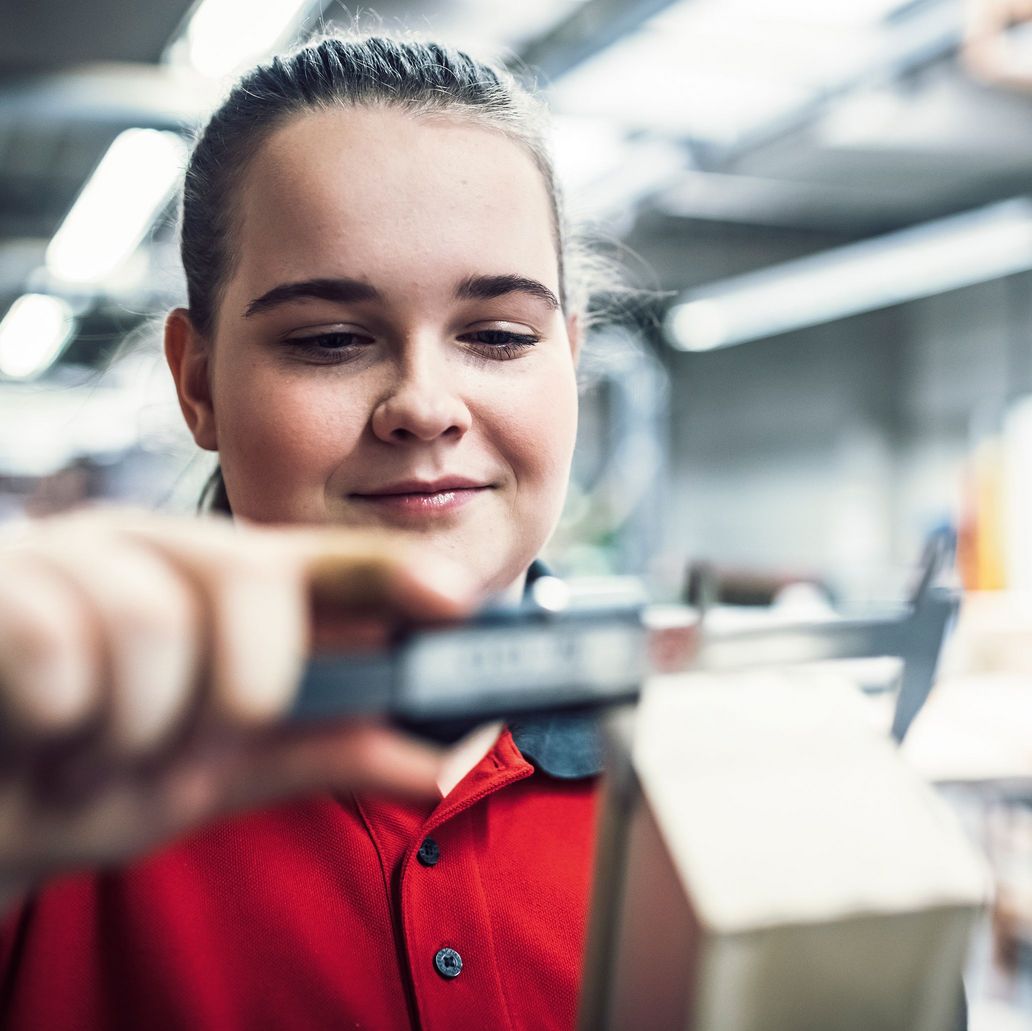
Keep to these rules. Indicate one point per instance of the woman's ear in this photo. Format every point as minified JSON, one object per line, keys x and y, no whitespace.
{"x":187,"y":355}
{"x":575,"y":331}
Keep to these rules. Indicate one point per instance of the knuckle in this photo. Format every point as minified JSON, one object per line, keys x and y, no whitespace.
{"x":45,"y":664}
{"x":148,"y":597}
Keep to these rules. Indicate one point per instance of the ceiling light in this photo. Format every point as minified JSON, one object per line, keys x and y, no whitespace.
{"x":930,"y":259}
{"x":222,"y":36}
{"x":33,"y":334}
{"x":117,"y":206}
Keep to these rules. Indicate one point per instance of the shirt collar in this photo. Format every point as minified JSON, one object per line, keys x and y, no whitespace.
{"x":567,"y":746}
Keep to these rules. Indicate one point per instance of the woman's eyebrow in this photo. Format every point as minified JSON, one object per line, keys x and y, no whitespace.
{"x":345,"y":291}
{"x":483,"y":288}
{"x":349,"y":291}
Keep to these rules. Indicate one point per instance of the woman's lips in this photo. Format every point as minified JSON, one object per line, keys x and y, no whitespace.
{"x":420,"y":503}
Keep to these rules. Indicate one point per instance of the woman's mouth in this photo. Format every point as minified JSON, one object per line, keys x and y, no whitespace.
{"x":418,"y":500}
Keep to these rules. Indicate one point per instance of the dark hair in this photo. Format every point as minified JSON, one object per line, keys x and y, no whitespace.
{"x":423,"y":78}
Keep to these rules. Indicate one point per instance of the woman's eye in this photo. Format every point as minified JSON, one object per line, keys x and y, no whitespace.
{"x":500,"y":343}
{"x":336,"y":346}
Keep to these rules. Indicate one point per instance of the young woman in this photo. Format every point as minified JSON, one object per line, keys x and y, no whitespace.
{"x":380,"y":344}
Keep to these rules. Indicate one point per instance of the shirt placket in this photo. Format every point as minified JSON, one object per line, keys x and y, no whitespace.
{"x":445,"y":918}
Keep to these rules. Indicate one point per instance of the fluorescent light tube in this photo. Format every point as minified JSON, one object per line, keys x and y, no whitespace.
{"x":224,"y":35}
{"x":929,"y":259}
{"x":117,"y":206}
{"x":33,"y":334}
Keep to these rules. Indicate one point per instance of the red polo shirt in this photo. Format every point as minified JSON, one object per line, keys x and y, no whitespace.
{"x":344,"y":912}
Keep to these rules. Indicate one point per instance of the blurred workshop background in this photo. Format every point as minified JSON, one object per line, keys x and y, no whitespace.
{"x":823,"y":209}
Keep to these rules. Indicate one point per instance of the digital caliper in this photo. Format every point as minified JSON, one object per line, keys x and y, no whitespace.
{"x":569,"y":649}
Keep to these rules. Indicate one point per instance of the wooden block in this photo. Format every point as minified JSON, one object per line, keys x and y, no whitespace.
{"x":768,"y":862}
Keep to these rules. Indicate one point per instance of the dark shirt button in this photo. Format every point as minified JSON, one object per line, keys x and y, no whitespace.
{"x":448,"y":963}
{"x":429,"y":852}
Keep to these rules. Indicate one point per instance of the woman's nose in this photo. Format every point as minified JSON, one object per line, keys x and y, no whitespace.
{"x":422,"y":405}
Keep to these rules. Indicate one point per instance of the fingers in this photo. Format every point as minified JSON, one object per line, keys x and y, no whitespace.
{"x":271,"y":593}
{"x":253,"y":606}
{"x":149,"y":656}
{"x":142,"y":662}
{"x":152,"y":618}
{"x":145,"y":629}
{"x":47,"y":652}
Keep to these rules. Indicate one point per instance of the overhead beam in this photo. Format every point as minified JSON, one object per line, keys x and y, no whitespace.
{"x":586,"y":31}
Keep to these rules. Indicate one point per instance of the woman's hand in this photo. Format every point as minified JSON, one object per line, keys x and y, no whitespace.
{"x":144,"y":662}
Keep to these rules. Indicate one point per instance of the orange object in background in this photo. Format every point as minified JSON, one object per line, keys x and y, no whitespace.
{"x":980,"y":534}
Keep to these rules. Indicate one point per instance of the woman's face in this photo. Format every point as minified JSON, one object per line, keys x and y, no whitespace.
{"x":390,"y":351}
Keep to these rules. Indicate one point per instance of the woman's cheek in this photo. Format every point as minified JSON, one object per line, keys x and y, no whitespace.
{"x":544,"y":429}
{"x":279,"y":448}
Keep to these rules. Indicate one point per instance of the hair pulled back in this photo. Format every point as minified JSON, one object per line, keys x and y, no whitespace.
{"x":421,"y":77}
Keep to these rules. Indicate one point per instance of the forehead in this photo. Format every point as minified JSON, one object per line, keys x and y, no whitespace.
{"x":383,"y":195}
